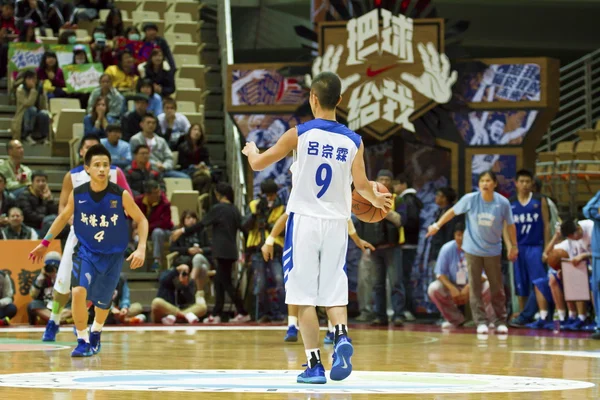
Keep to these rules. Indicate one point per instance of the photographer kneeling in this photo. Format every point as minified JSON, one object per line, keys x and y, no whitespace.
{"x":41,"y":292}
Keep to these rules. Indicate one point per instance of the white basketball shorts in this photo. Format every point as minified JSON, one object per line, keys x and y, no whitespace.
{"x":314,"y":261}
{"x":63,"y":276}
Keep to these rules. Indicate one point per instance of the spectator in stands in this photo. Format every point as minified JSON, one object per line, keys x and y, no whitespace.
{"x":16,"y":230}
{"x":68,"y":36}
{"x":60,"y":13}
{"x":124,"y":74}
{"x":173,"y":125}
{"x":444,"y":199}
{"x":34,"y":10}
{"x":131,"y":122}
{"x":133,"y":42}
{"x":17,"y":175}
{"x":102,"y":52}
{"x":155,"y":105}
{"x":158,"y":70}
{"x":487,"y":212}
{"x":39,"y":309}
{"x":113,"y":26}
{"x":115,"y":99}
{"x":88,"y":10}
{"x":96,"y":122}
{"x":409,"y":207}
{"x":7,"y":308}
{"x":8,"y":33}
{"x":122,"y":310}
{"x":157,"y":208}
{"x":193,"y":154}
{"x":120,"y":151}
{"x":160,"y":153}
{"x":226,"y":221}
{"x":451,"y":288}
{"x":32,"y":120}
{"x":38,"y":205}
{"x":79,"y":55}
{"x":151,"y":36}
{"x":27,"y":32}
{"x":141,"y":170}
{"x":51,"y":76}
{"x":7,"y":201}
{"x":175,"y":298}
{"x":197,"y":247}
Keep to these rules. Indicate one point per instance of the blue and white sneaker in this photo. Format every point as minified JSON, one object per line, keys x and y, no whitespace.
{"x":50,"y":332}
{"x":575,"y":326}
{"x":83,"y":349}
{"x":95,"y":344}
{"x":291,"y":334}
{"x":342,"y":353}
{"x":539,"y":324}
{"x":329,"y":337}
{"x":315,"y":375}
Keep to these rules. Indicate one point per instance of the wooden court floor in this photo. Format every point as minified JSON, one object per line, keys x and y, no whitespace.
{"x":419,"y":363}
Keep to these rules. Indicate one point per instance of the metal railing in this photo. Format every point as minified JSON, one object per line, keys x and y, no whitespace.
{"x":579,"y":102}
{"x":233,"y":154}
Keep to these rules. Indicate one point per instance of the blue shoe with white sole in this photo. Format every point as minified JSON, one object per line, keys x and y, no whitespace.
{"x":83,"y":349}
{"x":95,"y":344}
{"x":314,"y":375}
{"x":342,"y":353}
{"x":50,"y":332}
{"x":329,"y":337}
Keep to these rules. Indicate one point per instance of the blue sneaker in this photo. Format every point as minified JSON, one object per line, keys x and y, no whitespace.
{"x":539,"y":324}
{"x":50,"y":332}
{"x":83,"y":349}
{"x":312,"y":375}
{"x":95,"y":344}
{"x":291,"y":334}
{"x":329,"y":337}
{"x":342,"y":367}
{"x":567,"y":322}
{"x":575,"y":326}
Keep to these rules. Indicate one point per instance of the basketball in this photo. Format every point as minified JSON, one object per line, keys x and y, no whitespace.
{"x":555,"y":257}
{"x":364,"y":210}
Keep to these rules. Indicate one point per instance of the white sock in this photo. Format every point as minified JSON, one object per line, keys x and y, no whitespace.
{"x":572,"y":314}
{"x":293,"y":321}
{"x":330,"y":327}
{"x":543,"y":314}
{"x":55,"y":318}
{"x":83,"y":335}
{"x":582,"y":317}
{"x":96,"y":327}
{"x":191,"y":317}
{"x":313,"y":356}
{"x":562,"y":314}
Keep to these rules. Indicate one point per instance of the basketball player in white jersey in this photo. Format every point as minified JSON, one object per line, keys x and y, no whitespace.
{"x":62,"y":287}
{"x":329,"y":159}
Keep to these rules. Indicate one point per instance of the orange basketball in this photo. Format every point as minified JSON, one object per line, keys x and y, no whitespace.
{"x":364,"y":210}
{"x":555,"y":257}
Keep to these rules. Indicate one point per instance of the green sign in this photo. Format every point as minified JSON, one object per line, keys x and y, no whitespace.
{"x":82,"y":78}
{"x":22,"y":56}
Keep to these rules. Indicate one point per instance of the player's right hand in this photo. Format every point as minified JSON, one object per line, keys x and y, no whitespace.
{"x":250,"y":147}
{"x":38,"y":253}
{"x":267,"y":252}
{"x":137,"y":259}
{"x":431,"y":230}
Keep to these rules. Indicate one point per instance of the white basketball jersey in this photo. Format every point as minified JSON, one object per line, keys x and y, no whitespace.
{"x":79,"y":176}
{"x":323,"y":170}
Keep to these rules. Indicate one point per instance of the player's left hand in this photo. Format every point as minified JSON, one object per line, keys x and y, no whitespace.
{"x":267,"y":252}
{"x":513,"y":253}
{"x":38,"y":253}
{"x":250,"y":147}
{"x":432,"y":230}
{"x":364,"y":245}
{"x":136,"y":258}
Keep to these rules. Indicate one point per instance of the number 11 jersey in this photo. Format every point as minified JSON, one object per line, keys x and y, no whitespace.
{"x":323,"y":170}
{"x":99,"y":219}
{"x":528,"y":220}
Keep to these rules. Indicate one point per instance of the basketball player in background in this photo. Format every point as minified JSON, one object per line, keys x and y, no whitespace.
{"x":62,"y":287}
{"x":98,"y":210}
{"x":532,"y":219}
{"x":329,"y":157}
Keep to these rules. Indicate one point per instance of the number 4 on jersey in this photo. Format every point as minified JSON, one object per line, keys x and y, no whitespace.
{"x":99,"y":236}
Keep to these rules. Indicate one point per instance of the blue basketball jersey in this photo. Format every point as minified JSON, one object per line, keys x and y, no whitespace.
{"x":528,"y":220}
{"x":101,"y":225}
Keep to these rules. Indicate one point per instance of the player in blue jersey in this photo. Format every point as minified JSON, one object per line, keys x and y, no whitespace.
{"x":329,"y":158}
{"x":532,"y":219}
{"x":98,"y":210}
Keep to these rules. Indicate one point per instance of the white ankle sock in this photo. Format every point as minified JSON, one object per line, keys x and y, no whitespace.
{"x":96,"y":327}
{"x":191,"y":317}
{"x":573,"y":314}
{"x":293,"y":321}
{"x":55,"y":318}
{"x":330,"y":327}
{"x":83,"y":335}
{"x":582,"y":317}
{"x":543,"y":314}
{"x":562,"y":314}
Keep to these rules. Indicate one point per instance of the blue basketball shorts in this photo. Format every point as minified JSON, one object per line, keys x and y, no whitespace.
{"x":98,"y":274}
{"x":528,"y":268}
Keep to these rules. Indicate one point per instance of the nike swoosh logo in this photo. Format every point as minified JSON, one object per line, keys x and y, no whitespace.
{"x":82,"y":201}
{"x":101,"y":303}
{"x":345,"y":366}
{"x":374,"y":72}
